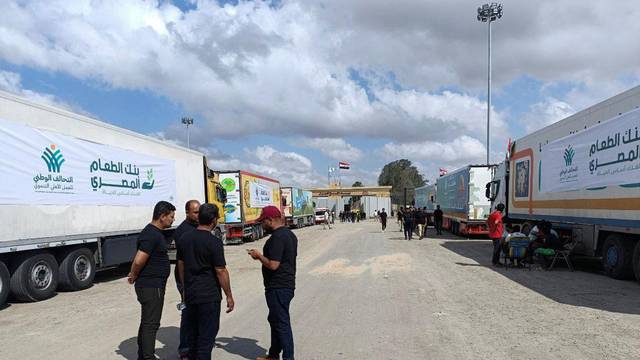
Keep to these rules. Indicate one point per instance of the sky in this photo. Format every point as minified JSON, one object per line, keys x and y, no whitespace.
{"x":288,"y":88}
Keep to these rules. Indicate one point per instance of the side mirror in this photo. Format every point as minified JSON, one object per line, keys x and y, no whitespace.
{"x":487,"y":192}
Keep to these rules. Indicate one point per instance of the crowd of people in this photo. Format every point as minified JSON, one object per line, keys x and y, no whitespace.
{"x":541,"y":240}
{"x":202,"y":276}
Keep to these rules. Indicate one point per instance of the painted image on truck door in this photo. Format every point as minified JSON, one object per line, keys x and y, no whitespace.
{"x":522,"y":178}
{"x":257,"y":193}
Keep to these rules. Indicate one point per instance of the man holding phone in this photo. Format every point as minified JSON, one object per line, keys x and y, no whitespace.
{"x":202,"y":270}
{"x":279,"y":273}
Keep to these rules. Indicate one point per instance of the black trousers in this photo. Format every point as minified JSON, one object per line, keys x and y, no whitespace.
{"x":408,"y":230}
{"x":438,"y":224}
{"x":497,"y":248}
{"x":384,"y":224}
{"x":151,"y":301}
{"x":204,"y":323}
{"x":278,"y":301}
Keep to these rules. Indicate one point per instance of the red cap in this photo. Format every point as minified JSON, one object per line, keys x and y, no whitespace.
{"x":270,"y":212}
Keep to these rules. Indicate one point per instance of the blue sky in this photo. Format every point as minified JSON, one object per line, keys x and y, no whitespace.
{"x":289,"y":88}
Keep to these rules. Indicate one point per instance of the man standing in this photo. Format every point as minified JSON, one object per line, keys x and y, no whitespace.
{"x":408,"y":221}
{"x":421,"y":221}
{"x":149,"y":272}
{"x":279,"y":273}
{"x":326,"y":221}
{"x":203,"y":271}
{"x":383,"y":219}
{"x":437,"y":219}
{"x":189,"y":224}
{"x":496,"y":228}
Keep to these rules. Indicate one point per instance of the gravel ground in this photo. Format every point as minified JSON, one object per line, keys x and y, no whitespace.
{"x":362,"y":294}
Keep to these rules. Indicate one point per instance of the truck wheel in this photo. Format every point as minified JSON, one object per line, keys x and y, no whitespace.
{"x":35,"y":278}
{"x":636,"y":261}
{"x":217,"y":233}
{"x":617,"y":255}
{"x":4,"y":283}
{"x":77,"y":270}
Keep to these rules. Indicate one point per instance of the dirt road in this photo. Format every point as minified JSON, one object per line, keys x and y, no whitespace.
{"x":361,"y":294}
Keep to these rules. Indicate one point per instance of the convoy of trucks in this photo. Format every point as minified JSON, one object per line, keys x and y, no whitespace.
{"x":461,"y":196}
{"x":583,"y":175}
{"x":76,"y":192}
{"x":297,"y":206}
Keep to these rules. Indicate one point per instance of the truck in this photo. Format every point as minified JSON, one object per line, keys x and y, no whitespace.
{"x":297,"y":205}
{"x":247,"y":194}
{"x":461,"y":196}
{"x":75,"y":193}
{"x":426,"y":198}
{"x":582,"y":174}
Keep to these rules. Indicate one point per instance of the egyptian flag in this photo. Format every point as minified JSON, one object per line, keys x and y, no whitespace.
{"x":344,"y":165}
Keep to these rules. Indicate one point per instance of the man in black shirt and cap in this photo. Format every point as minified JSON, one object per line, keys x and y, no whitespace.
{"x":149,"y":272}
{"x":189,"y":224}
{"x":279,"y":273}
{"x":202,"y":270}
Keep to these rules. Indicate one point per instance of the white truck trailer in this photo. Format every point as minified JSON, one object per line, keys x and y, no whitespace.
{"x":75,"y":192}
{"x":583,"y":175}
{"x":461,"y":196}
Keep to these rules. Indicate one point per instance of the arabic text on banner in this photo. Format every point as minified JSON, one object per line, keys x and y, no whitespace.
{"x":46,"y":168}
{"x":607,"y":154}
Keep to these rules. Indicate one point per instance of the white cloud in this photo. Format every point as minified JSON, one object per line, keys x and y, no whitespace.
{"x":12,"y":82}
{"x":335,"y":148}
{"x":290,"y":168}
{"x":463,"y":149}
{"x":546,"y":113}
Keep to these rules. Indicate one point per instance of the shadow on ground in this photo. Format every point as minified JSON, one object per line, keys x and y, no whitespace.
{"x":584,"y":287}
{"x":243,"y":347}
{"x":169,"y":337}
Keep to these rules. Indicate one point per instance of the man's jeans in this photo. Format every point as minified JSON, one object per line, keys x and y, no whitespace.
{"x":497,"y":247}
{"x":204,"y":323}
{"x":278,"y":301}
{"x":408,"y":230}
{"x":183,"y":347}
{"x":151,"y":301}
{"x":438,"y":227}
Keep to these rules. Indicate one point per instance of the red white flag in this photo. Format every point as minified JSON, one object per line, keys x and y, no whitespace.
{"x":443,"y":171}
{"x":344,"y":165}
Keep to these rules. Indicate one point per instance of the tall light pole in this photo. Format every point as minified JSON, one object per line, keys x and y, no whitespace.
{"x":187,"y":121}
{"x":489,"y":13}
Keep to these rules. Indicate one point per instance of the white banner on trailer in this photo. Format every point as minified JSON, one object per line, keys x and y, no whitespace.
{"x":46,"y":168}
{"x":261,"y":195}
{"x":607,"y":154}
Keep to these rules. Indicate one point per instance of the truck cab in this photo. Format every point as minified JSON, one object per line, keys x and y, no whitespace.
{"x":496,"y":189}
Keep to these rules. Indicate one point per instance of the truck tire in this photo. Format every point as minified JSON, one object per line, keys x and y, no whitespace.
{"x":617,"y":253}
{"x":5,"y":278}
{"x":636,"y":261}
{"x":35,"y":278}
{"x":77,"y":270}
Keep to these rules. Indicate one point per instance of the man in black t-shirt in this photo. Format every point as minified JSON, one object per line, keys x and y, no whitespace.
{"x":279,"y":273}
{"x":189,"y":224}
{"x":149,"y":272}
{"x":437,"y":219}
{"x":202,"y":270}
{"x":383,"y":219}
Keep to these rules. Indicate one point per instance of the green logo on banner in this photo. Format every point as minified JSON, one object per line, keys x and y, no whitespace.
{"x":53,"y":158}
{"x":568,"y":155}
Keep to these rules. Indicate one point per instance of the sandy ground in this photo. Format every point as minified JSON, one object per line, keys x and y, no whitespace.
{"x":361,"y":294}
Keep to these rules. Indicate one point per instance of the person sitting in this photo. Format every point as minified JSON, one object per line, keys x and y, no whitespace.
{"x":545,"y":239}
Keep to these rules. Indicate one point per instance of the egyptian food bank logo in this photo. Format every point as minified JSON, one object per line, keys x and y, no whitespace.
{"x":569,"y":153}
{"x":52,"y":156}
